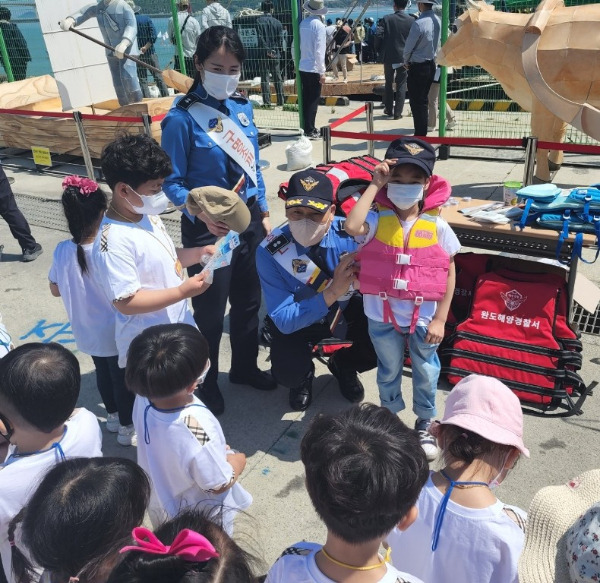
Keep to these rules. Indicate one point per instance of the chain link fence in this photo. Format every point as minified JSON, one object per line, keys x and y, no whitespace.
{"x":268,"y":75}
{"x":482,"y":107}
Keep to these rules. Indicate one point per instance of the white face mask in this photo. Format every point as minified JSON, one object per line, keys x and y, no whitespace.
{"x":404,"y":196}
{"x":307,"y":232}
{"x":202,"y":377}
{"x":151,"y":204}
{"x":493,"y":484}
{"x":220,"y":86}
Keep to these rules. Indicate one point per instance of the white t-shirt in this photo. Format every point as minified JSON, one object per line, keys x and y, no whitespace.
{"x":91,"y":315}
{"x":21,"y":475}
{"x":476,"y":544}
{"x":403,"y":309}
{"x":184,"y":453}
{"x":297,"y":564}
{"x":129,"y":257}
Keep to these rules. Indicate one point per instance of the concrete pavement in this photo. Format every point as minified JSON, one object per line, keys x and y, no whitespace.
{"x":261,"y":424}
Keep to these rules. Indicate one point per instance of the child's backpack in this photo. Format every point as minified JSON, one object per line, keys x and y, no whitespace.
{"x":578,"y":211}
{"x":517,"y":331}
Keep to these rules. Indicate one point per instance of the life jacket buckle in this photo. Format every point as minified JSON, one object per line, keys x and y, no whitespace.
{"x":403,"y":259}
{"x":383,"y":295}
{"x":418,"y":300}
{"x":400,"y":284}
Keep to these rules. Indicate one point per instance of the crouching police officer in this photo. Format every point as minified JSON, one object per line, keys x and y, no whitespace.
{"x":306,"y":270}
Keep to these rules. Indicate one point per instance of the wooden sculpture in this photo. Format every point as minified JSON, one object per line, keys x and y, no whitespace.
{"x":548,"y":62}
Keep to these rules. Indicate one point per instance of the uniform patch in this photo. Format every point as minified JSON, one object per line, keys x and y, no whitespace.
{"x":104,"y":237}
{"x":197,"y":430}
{"x":277,"y":244}
{"x":413,"y":148}
{"x":215,"y":124}
{"x":243,"y":119}
{"x":299,"y":265}
{"x":309,"y":183}
{"x":296,"y":551}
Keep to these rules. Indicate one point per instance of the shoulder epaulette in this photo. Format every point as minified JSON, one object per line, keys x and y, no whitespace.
{"x":277,"y":244}
{"x":104,"y":237}
{"x":240,"y":96}
{"x":197,"y":430}
{"x":296,"y":551}
{"x":187,"y":100}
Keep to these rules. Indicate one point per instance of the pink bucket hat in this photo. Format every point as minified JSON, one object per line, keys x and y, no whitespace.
{"x":487,"y":407}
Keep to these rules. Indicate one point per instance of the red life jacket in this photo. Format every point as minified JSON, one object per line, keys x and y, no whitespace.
{"x":413,"y":267}
{"x":517,"y":331}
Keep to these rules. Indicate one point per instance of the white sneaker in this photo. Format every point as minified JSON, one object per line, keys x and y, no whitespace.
{"x":451,"y":125}
{"x":127,"y":435}
{"x":112,"y":422}
{"x":430,"y":128}
{"x":428,"y":442}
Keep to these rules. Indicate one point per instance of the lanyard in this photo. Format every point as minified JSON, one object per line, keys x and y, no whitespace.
{"x":174,"y":410}
{"x":14,"y":457}
{"x":442,"y":509}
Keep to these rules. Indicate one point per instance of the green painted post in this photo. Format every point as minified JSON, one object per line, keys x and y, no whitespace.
{"x":177,"y":35}
{"x":296,"y":33}
{"x":444,"y":71}
{"x":5,"y":59}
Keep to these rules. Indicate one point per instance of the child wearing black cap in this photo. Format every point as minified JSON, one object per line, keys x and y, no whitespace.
{"x":406,"y":274}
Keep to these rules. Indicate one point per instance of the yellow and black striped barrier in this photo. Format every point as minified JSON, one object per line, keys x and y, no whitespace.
{"x":503,"y":105}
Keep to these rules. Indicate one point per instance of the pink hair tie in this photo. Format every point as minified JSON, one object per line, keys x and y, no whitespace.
{"x":85,"y":185}
{"x":188,"y":544}
{"x":73,"y":579}
{"x":12,"y":543}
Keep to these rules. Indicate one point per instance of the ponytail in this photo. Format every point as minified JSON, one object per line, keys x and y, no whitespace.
{"x":22,"y":569}
{"x":84,"y":204}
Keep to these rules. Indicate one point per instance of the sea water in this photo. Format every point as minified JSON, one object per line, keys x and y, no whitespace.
{"x":40,"y":62}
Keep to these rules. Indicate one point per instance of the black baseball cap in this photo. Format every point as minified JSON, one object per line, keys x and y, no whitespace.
{"x":310,"y":189}
{"x":411,"y":150}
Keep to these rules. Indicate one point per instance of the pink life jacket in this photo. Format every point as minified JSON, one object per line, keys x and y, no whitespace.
{"x":407,"y":268}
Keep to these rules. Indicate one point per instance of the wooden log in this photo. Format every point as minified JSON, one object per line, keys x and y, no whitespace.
{"x":35,"y":93}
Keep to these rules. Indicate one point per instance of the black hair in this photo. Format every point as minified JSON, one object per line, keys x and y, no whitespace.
{"x":401,"y":4}
{"x":83,"y":213}
{"x":364,"y":471}
{"x":466,"y":446}
{"x":5,"y":13}
{"x":266,"y":6}
{"x":211,"y":40}
{"x":165,"y":359}
{"x":41,"y":383}
{"x":79,"y":517}
{"x":329,"y":22}
{"x":350,"y":21}
{"x":233,"y":565}
{"x":134,"y":159}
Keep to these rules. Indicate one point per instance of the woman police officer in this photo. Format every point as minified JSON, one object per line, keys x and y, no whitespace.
{"x":212,"y":141}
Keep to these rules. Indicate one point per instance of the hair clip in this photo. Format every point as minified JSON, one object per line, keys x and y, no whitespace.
{"x":463,"y":434}
{"x":85,"y":185}
{"x":73,"y":579}
{"x":188,"y":544}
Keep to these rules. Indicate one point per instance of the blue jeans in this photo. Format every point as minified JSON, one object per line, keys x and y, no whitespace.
{"x":389,"y":346}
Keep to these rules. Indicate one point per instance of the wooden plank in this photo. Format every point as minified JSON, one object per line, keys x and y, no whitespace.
{"x":37,"y":93}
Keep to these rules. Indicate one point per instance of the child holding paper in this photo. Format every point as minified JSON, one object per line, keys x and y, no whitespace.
{"x":135,"y":260}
